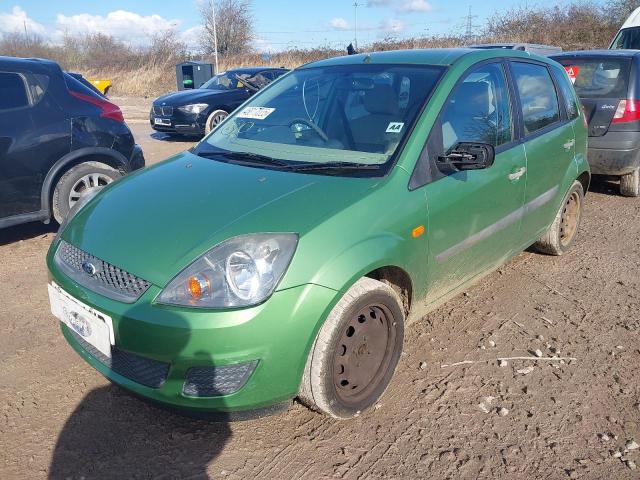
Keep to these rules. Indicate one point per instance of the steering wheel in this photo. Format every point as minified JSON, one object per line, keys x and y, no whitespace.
{"x":313,"y":126}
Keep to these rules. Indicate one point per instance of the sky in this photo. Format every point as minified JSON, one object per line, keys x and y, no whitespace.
{"x":279,"y":24}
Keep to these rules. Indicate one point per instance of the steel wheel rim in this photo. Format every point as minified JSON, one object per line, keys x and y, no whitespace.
{"x":217,"y":120}
{"x":364,"y":353}
{"x":569,"y":219}
{"x":87,"y":183}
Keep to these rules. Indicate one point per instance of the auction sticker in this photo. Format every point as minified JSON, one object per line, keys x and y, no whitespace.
{"x":256,"y":113}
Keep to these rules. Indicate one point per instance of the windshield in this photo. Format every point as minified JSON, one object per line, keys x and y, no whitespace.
{"x":627,"y":38}
{"x":598,"y":77}
{"x":232,"y":81}
{"x":347,"y":113}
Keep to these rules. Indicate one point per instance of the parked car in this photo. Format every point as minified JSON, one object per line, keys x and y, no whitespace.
{"x":283,"y":255}
{"x":198,"y":111}
{"x":628,"y":37}
{"x":608,"y":83}
{"x":536,"y":48}
{"x":58,"y":141}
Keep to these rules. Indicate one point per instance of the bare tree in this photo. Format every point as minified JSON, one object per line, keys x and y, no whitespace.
{"x":234,"y":22}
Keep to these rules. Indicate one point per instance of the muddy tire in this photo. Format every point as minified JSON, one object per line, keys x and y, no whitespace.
{"x":214,"y":120}
{"x":563,"y":231}
{"x":356,"y":351}
{"x":630,"y":184}
{"x":76,"y":182}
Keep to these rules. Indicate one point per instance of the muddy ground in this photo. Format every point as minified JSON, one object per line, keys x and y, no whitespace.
{"x":61,"y":419}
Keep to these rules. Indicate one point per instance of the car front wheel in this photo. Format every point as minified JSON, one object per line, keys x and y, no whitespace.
{"x":355,"y":352}
{"x":214,"y":120}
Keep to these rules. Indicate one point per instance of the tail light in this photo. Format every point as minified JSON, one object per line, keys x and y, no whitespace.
{"x":627,"y":111}
{"x":108,"y":109}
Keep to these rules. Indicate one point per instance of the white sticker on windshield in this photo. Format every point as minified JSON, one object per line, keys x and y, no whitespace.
{"x":395,"y":127}
{"x":256,"y":113}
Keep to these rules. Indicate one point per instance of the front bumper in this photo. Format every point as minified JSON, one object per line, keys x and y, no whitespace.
{"x":273,"y":339}
{"x":180,"y":122}
{"x":615,"y":153}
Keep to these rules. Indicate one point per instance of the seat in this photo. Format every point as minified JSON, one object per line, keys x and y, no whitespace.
{"x":370,"y":131}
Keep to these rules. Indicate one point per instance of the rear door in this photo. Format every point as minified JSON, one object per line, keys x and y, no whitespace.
{"x":549,"y":143}
{"x":601,"y":83}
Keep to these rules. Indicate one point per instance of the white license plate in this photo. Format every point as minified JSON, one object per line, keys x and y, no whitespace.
{"x":94,"y":327}
{"x":162,"y":121}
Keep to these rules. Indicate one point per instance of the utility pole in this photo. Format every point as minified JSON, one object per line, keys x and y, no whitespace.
{"x":355,"y":24}
{"x":215,"y":33}
{"x":26,"y":35}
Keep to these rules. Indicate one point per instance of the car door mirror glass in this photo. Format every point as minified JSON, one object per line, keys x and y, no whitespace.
{"x":468,"y":156}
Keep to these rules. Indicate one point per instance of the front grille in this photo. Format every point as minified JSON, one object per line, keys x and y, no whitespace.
{"x":217,"y":381}
{"x":98,"y":275}
{"x":160,"y":110}
{"x":145,"y":371}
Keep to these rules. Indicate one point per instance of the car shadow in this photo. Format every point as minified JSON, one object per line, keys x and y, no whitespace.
{"x":605,"y":185}
{"x":114,"y":434}
{"x":26,"y":231}
{"x":165,"y":137}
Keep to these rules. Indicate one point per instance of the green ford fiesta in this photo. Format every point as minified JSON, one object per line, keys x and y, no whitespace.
{"x":284,"y":255}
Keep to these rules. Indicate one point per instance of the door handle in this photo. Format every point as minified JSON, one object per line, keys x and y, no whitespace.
{"x":515,"y":176}
{"x":570,"y":143}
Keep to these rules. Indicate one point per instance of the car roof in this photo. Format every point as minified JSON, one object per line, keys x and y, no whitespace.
{"x":251,"y":70}
{"x":427,"y":56}
{"x":35,"y":65}
{"x":632,"y":20}
{"x":597,"y":53}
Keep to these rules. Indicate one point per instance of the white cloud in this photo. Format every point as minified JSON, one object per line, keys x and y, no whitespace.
{"x":121,"y":24}
{"x":405,"y":6}
{"x":16,"y":20}
{"x":191,"y":36}
{"x":392,"y":25}
{"x":416,"y":6}
{"x":339,"y":23}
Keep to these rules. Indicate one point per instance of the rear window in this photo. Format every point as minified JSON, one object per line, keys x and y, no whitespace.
{"x":78,"y":87}
{"x":628,"y":38}
{"x":598,"y":77}
{"x":14,"y":92}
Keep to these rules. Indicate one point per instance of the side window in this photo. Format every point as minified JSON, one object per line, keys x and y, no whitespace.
{"x":478,"y":110}
{"x":537,"y":96}
{"x":14,"y":92}
{"x":568,"y":94}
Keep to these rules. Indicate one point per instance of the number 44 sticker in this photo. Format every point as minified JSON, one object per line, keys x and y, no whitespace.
{"x":395,"y":127}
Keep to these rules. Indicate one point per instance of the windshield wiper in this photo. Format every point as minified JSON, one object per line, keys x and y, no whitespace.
{"x":247,"y":158}
{"x":333,"y":166}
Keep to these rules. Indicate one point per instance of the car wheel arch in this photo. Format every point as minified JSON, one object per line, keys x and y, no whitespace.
{"x":105,"y":156}
{"x":585,"y":179}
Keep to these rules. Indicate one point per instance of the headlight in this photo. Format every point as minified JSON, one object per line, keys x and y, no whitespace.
{"x":193,"y":108}
{"x":239,"y":272}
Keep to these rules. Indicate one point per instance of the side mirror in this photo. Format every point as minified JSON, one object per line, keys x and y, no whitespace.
{"x":469,"y":156}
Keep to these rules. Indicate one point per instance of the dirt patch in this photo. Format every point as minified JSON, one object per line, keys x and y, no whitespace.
{"x":60,"y":418}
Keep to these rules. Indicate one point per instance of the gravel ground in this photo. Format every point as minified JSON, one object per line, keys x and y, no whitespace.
{"x":453,"y":409}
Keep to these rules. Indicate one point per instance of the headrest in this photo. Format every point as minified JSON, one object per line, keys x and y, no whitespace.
{"x":381,"y":100}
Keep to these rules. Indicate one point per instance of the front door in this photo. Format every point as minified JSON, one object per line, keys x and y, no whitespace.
{"x":474,"y":216}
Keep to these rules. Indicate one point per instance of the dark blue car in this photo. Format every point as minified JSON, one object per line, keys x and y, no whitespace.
{"x":198,"y":111}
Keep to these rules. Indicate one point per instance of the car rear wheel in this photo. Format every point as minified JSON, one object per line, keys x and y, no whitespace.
{"x":77,"y":182}
{"x":214,"y":120}
{"x":564,"y":229}
{"x":630,"y":184}
{"x":356,"y":351}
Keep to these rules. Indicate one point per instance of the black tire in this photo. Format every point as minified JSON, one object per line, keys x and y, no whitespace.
{"x":347,"y":371}
{"x":97,"y":172}
{"x":630,"y":184}
{"x":213,"y":120}
{"x":563,"y":231}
